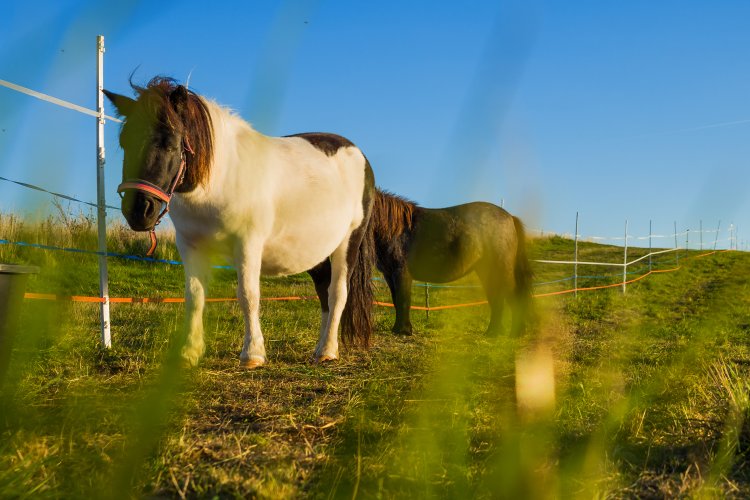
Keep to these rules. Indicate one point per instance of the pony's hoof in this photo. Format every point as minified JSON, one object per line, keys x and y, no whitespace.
{"x":252,"y":363}
{"x":187,"y":365}
{"x":493,"y":332}
{"x":326,"y":358}
{"x":190,"y":358}
{"x":404,"y":332}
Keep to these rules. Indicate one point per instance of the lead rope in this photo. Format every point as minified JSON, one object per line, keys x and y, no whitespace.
{"x":152,"y":248}
{"x":177,"y":180}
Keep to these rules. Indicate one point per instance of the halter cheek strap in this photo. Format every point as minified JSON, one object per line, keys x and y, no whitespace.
{"x":154,"y":190}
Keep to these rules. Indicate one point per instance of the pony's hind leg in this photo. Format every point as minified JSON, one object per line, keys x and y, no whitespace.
{"x":321,"y":276}
{"x":328,"y":343}
{"x":497,"y":287}
{"x":253,"y":352}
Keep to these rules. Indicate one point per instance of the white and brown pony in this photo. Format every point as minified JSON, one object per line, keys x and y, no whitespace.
{"x":273,"y":205}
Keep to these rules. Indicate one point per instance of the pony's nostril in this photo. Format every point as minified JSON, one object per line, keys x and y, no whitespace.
{"x":140,"y":210}
{"x":150,"y":209}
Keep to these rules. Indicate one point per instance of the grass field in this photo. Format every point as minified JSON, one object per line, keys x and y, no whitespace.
{"x":643,"y":394}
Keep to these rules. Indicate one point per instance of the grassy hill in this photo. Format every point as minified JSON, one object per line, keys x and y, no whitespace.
{"x":638,"y":394}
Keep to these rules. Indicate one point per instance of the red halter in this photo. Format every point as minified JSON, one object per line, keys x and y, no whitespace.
{"x":153,"y":189}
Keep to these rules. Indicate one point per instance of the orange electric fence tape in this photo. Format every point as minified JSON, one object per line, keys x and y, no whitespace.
{"x":144,"y":300}
{"x":167,"y":300}
{"x":602,"y":287}
{"x":433,"y":308}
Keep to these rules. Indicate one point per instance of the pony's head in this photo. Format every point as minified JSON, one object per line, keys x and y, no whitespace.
{"x":166,"y":140}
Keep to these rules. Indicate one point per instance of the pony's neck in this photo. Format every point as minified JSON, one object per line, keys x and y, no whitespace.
{"x":392,"y":215}
{"x":232,"y":138}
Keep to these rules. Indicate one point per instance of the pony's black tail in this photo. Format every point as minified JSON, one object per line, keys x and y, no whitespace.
{"x":523,"y":314}
{"x":356,"y":320}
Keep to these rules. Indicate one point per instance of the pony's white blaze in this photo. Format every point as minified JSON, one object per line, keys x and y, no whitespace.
{"x":274,"y":206}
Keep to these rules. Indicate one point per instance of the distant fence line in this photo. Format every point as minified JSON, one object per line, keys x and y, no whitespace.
{"x":625,"y":238}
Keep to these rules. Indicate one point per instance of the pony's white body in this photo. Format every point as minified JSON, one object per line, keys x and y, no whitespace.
{"x":273,"y":206}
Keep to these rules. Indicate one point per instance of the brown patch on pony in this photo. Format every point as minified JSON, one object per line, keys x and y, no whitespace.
{"x":327,"y":143}
{"x":156,"y":97}
{"x":391,"y":215}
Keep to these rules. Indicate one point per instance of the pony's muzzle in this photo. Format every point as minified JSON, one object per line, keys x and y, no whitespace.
{"x":141,"y":210}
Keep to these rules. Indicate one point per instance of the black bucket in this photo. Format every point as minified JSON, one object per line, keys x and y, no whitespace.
{"x":12,"y":287}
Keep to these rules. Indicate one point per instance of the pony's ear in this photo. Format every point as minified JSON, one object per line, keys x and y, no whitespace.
{"x":179,"y":98}
{"x":123,"y":104}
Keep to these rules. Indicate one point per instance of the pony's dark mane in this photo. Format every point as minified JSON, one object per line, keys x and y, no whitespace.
{"x":391,"y":215}
{"x":155,"y":99}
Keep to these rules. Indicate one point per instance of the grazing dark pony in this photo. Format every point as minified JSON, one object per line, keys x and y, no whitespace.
{"x":272,"y":205}
{"x":439,"y":245}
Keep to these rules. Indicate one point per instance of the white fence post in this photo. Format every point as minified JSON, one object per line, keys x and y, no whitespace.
{"x":575,"y":260}
{"x":649,"y":246}
{"x":716,"y":238}
{"x":625,"y":260}
{"x":100,"y":196}
{"x":427,"y":301}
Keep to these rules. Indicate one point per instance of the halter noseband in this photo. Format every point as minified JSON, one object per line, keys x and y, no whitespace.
{"x":154,"y":190}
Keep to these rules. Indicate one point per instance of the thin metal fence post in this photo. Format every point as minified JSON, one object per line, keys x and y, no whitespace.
{"x":731,"y":235}
{"x":687,"y":240}
{"x":100,"y":197}
{"x":427,"y":300}
{"x":649,"y":246}
{"x":575,"y":261}
{"x":676,"y":253}
{"x":716,"y":238}
{"x":625,"y":260}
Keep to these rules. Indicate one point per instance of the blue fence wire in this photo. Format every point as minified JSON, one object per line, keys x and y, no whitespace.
{"x":94,"y":252}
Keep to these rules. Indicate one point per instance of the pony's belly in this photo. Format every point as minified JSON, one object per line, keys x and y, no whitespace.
{"x":303,"y":238}
{"x":282,"y":258}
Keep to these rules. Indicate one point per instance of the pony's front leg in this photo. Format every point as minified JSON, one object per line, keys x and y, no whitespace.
{"x":400,"y":281}
{"x":248,"y":262}
{"x":328,"y":343}
{"x":196,"y":279}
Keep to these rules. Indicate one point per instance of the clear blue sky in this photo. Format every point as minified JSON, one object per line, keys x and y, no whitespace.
{"x":631,"y":110}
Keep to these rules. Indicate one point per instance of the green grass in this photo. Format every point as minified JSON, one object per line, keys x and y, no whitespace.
{"x":641,"y":394}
